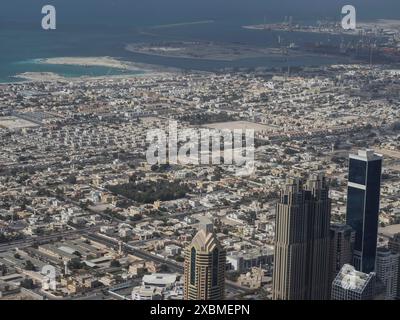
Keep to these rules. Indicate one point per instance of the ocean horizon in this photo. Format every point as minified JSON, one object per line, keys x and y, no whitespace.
{"x":104,"y":28}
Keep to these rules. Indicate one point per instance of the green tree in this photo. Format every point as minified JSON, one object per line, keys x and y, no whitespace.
{"x":29,"y":266}
{"x":115,"y":264}
{"x":75,"y":264}
{"x":27,"y":283}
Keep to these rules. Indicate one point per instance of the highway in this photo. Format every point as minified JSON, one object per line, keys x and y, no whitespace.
{"x":42,"y":239}
{"x":172,"y":265}
{"x":91,"y":233}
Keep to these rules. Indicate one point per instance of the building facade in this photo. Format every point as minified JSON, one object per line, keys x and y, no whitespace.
{"x":363,"y":200}
{"x":342,"y":238}
{"x":204,"y":268}
{"x":387,"y":267}
{"x":351,"y":284}
{"x":301,"y":260}
{"x":394,"y":246}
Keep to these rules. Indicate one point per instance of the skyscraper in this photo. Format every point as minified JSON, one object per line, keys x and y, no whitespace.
{"x":351,"y":284}
{"x":363,"y":197}
{"x":301,"y":262}
{"x":387,"y":265}
{"x":319,"y":219}
{"x":342,"y":239}
{"x":394,"y":243}
{"x":394,"y":246}
{"x":289,"y":282}
{"x":204,"y":269}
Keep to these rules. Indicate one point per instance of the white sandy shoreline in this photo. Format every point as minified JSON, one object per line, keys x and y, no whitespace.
{"x":51,"y":77}
{"x":107,"y":62}
{"x":132,"y":69}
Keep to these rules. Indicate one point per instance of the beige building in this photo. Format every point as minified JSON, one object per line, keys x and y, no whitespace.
{"x":205,"y":261}
{"x":253,"y":279}
{"x":301,"y":260}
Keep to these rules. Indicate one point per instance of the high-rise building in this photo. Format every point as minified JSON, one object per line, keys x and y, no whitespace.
{"x":394,"y":243}
{"x":394,"y":246}
{"x":363,"y":198}
{"x":301,"y":260}
{"x":342,"y":239}
{"x":319,"y":219}
{"x":351,"y":284}
{"x":204,"y":269}
{"x":387,"y":267}
{"x":289,"y":282}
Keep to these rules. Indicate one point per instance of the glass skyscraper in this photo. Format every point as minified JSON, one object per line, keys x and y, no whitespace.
{"x":363,"y":197}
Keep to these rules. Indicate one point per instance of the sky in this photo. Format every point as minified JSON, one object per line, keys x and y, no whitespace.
{"x":144,"y":12}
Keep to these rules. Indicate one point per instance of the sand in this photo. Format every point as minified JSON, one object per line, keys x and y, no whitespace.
{"x":94,"y":62}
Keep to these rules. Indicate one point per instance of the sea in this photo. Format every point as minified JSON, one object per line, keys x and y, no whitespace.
{"x":96,"y":28}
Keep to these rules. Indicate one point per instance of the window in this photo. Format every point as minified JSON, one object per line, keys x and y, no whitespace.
{"x":215,"y":260}
{"x":357,"y":171}
{"x":355,"y":213}
{"x":193,"y":266}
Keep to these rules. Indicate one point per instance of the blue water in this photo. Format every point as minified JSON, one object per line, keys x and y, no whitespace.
{"x":104,"y":27}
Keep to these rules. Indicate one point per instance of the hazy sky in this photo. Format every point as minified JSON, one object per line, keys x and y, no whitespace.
{"x":143,"y":11}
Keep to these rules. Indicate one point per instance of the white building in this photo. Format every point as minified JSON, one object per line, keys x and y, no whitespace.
{"x":147,"y":293}
{"x":160,"y":280}
{"x":351,"y":284}
{"x":173,"y":250}
{"x":159,"y":286}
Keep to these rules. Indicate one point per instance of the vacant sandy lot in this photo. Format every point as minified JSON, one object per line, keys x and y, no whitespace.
{"x":13,"y":123}
{"x":244,"y":125}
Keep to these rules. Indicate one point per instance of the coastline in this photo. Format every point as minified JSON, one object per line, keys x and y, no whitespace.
{"x":182,"y":24}
{"x":261,"y":27}
{"x":390,"y":26}
{"x":51,"y":77}
{"x":107,"y":62}
{"x":210,"y":51}
{"x":130,"y":69}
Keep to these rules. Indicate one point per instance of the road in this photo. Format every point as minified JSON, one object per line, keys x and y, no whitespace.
{"x":172,"y":265}
{"x":29,"y":242}
{"x":91,"y":233}
{"x":389,"y":153}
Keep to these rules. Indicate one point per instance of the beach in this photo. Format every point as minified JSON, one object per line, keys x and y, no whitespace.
{"x":108,"y":62}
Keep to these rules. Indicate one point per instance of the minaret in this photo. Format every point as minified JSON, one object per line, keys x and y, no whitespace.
{"x":120,"y":252}
{"x":66,"y":271}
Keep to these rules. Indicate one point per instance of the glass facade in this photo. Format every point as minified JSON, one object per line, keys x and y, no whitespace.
{"x":355,"y":213}
{"x":371,"y":215}
{"x":363,"y":208}
{"x":357,"y":171}
{"x":215,"y":266}
{"x":193,"y":266}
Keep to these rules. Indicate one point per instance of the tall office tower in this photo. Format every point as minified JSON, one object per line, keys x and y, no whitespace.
{"x":319,"y":220}
{"x":301,"y":267}
{"x":289,"y":282}
{"x":363,"y":197}
{"x":351,"y":284}
{"x":394,"y":246}
{"x":387,"y":267}
{"x":342,"y":238}
{"x":204,"y":268}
